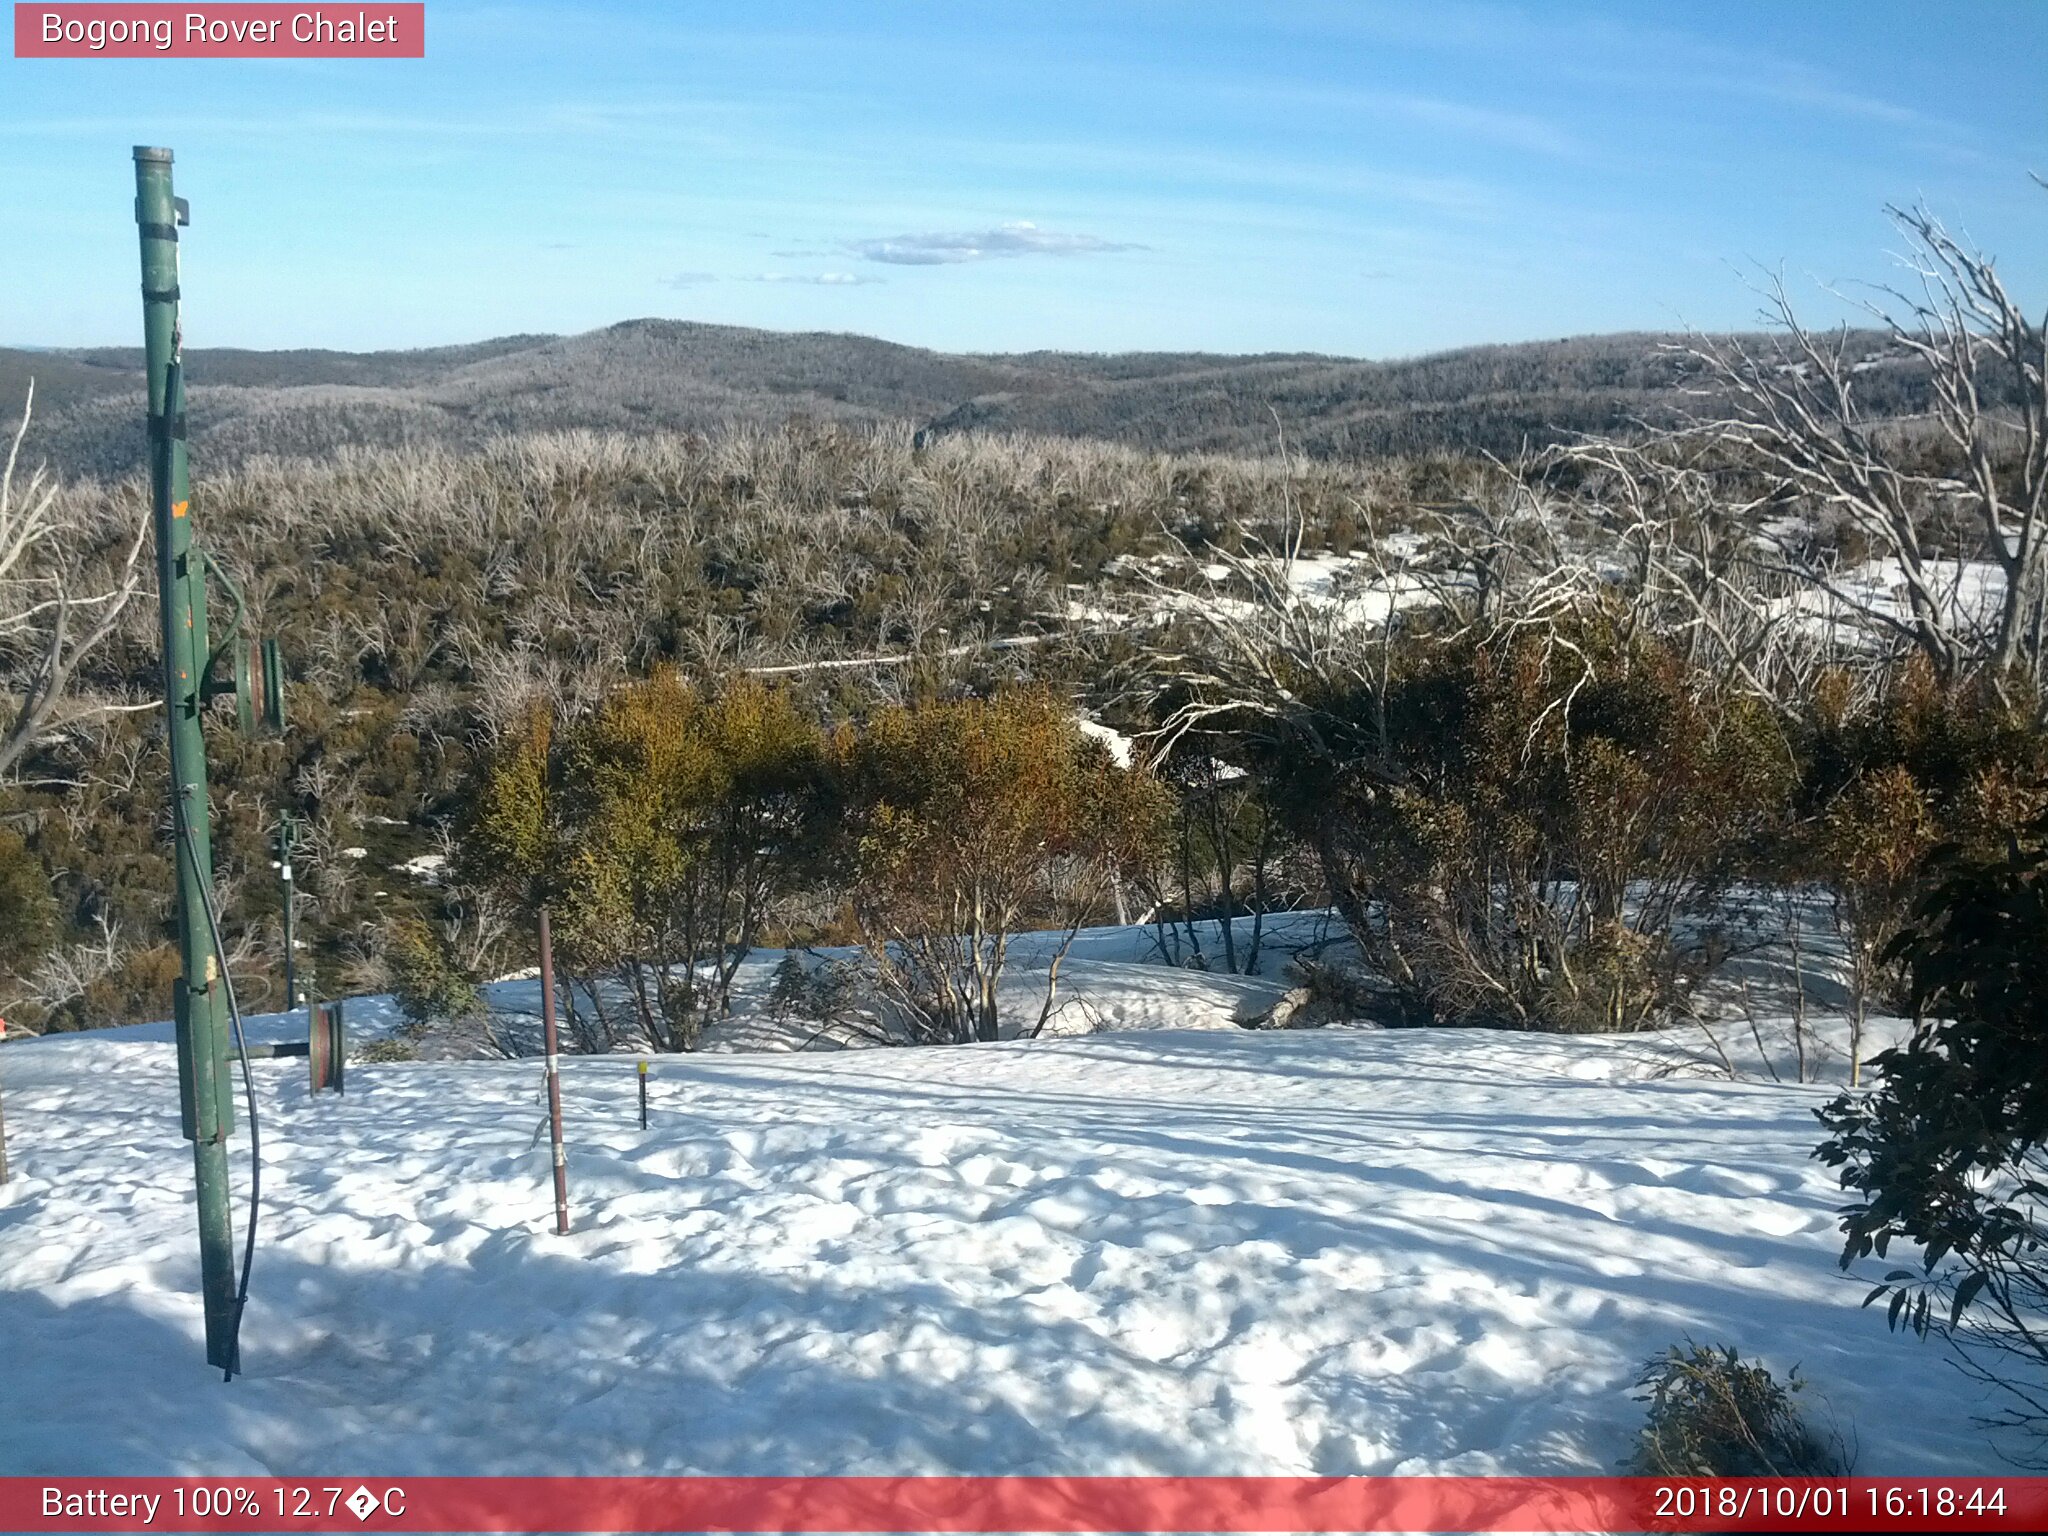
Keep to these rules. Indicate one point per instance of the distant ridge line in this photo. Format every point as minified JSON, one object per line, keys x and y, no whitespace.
{"x":639,"y":376}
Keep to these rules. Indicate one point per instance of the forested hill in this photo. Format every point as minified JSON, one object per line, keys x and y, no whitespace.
{"x":647,"y":374}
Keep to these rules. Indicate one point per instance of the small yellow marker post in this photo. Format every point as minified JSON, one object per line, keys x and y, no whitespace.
{"x":643,"y":1093}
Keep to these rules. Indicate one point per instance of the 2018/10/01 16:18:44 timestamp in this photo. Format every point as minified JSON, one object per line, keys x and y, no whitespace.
{"x":1822,"y":1500}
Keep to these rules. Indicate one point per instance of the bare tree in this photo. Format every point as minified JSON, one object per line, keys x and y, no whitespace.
{"x":1686,"y":563}
{"x":1797,"y":407}
{"x":53,"y":608}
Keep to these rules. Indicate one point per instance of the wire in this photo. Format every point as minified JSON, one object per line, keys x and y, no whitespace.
{"x":204,"y":882}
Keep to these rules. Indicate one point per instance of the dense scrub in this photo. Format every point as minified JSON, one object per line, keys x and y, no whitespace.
{"x":1517,"y":827}
{"x":428,"y":600}
{"x":1529,"y":792}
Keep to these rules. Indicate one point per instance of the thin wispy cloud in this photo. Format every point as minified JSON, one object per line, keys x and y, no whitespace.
{"x":689,"y":279}
{"x":706,"y":126}
{"x":1805,"y":89}
{"x":1022,"y":238}
{"x":1516,"y":130}
{"x":1203,"y":171}
{"x":820,"y":279}
{"x":1523,"y":131}
{"x":1687,"y":61}
{"x":1655,"y":53}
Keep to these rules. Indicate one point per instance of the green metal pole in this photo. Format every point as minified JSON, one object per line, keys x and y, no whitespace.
{"x":203,"y":1082}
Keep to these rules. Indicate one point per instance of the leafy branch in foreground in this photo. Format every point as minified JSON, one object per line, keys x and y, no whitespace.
{"x":1948,"y":1151}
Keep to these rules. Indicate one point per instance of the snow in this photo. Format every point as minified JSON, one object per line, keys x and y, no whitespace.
{"x":1357,"y":588}
{"x":1151,"y":1248}
{"x":1111,"y":979}
{"x":1364,"y":588}
{"x":1786,"y":531}
{"x":1116,"y":743}
{"x":430,"y":868}
{"x":1967,"y":595}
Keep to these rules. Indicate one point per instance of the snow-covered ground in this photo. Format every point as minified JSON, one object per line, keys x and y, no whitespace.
{"x":1152,"y":1248}
{"x":1362,"y":588}
{"x":1858,"y":608}
{"x":1967,"y":595}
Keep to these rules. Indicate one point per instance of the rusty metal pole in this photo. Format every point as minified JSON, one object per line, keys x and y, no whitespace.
{"x":554,"y":1047}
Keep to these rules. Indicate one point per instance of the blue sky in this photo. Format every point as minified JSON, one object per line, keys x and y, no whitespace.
{"x":1376,"y":179}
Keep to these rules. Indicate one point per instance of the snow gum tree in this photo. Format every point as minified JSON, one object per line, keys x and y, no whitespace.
{"x":975,"y":819}
{"x":1801,"y":412}
{"x":661,"y":829}
{"x":1515,"y":827}
{"x":1885,"y":779}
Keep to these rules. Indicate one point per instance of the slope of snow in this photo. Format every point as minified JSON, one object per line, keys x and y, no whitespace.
{"x":1120,"y":747}
{"x":1112,"y":979}
{"x":1171,"y":1251}
{"x":1967,"y":594}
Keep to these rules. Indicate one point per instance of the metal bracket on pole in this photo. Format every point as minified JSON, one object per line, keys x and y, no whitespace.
{"x":256,"y":678}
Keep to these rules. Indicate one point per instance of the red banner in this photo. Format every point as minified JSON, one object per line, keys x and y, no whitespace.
{"x":360,"y":31}
{"x":998,"y":1504}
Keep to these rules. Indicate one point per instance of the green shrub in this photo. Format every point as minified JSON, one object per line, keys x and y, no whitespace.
{"x":661,"y":829}
{"x":427,"y":984}
{"x":975,"y":820}
{"x":136,"y":984}
{"x":1885,"y":780}
{"x":1949,"y":1151}
{"x":27,"y":914}
{"x":1714,"y":1415}
{"x":372,"y":1052}
{"x":1520,"y":832}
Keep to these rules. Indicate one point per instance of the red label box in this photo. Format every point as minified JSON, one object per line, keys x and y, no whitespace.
{"x":368,"y":29}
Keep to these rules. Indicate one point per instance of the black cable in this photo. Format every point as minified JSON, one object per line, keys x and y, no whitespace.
{"x":203,"y":880}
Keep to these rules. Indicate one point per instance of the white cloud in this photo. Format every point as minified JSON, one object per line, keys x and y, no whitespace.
{"x":1018,"y":239}
{"x":821,"y":279}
